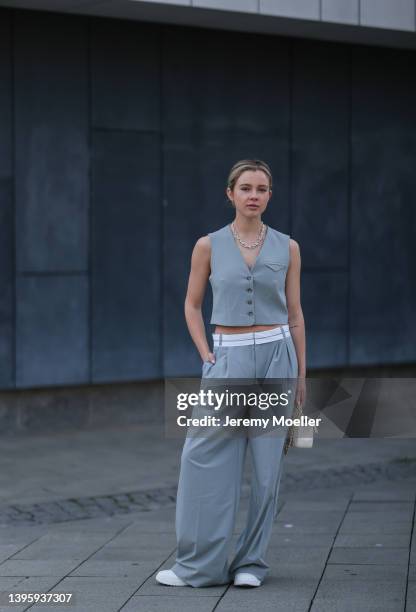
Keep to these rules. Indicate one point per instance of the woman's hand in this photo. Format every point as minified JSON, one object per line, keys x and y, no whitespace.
{"x":300,"y":397}
{"x":210,"y":357}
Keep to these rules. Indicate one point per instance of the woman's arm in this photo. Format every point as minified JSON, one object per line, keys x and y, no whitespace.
{"x":198,"y":278}
{"x":295,"y":314}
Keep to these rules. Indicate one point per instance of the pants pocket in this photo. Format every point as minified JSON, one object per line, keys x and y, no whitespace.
{"x":217,"y":369}
{"x":206,"y":366}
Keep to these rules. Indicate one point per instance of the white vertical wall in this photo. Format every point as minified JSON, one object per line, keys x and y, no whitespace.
{"x":391,"y":14}
{"x":302,"y":16}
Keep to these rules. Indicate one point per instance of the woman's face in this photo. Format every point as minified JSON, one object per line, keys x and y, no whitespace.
{"x":251,"y":193}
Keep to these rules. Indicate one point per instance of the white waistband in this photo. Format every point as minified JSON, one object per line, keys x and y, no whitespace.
{"x":257,"y":337}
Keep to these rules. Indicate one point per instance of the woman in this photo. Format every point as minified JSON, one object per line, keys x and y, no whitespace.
{"x":254,"y":271}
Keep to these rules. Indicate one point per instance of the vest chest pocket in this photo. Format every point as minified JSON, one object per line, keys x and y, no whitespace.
{"x":275,"y":265}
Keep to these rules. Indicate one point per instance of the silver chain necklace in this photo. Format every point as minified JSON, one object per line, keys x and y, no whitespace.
{"x":245,"y":244}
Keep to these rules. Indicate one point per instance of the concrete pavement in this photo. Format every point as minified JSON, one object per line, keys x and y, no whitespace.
{"x":343,"y":539}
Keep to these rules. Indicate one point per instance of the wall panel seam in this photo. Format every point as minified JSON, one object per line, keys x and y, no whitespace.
{"x":104,"y":129}
{"x":290,"y":130}
{"x":90,"y":200}
{"x":161,"y":311}
{"x":41,"y":273}
{"x":13,"y":195}
{"x":319,"y":269}
{"x":349,"y":203}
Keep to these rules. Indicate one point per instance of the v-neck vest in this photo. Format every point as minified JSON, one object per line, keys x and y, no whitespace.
{"x":248,"y":296}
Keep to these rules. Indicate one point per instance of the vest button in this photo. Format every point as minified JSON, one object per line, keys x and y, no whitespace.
{"x":249,"y":302}
{"x":249,"y":289}
{"x":250,"y":313}
{"x":248,"y":277}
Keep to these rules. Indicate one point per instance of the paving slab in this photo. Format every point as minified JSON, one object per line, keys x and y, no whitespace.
{"x":163,"y":603}
{"x":23,"y":584}
{"x":139,"y":570}
{"x":97,"y":585}
{"x":394,"y":492}
{"x":320,"y":495}
{"x":11,"y":534}
{"x":287,"y":572}
{"x":411,"y":597}
{"x":382,"y":556}
{"x":143,"y":540}
{"x":367,"y":606}
{"x":108,"y":525}
{"x":27,"y":583}
{"x":67,"y":551}
{"x":85,"y":604}
{"x":278,"y":555}
{"x":359,"y":596}
{"x":355,"y":573}
{"x":289,"y":539}
{"x":379,"y":518}
{"x":381,"y":540}
{"x":8,"y":550}
{"x":334,"y":504}
{"x":358,"y":523}
{"x":94,"y":593}
{"x":131,"y":553}
{"x":299,"y":527}
{"x":278,"y":593}
{"x":38,"y":567}
{"x":306,"y":515}
{"x":406,"y":508}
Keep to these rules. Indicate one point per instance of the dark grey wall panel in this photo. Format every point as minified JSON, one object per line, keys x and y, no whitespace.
{"x":169,"y":110}
{"x":325,"y":307}
{"x":6,"y":209}
{"x":52,"y":330}
{"x":126,"y":256}
{"x":51,"y":142}
{"x":383,"y":224}
{"x":125,"y":66}
{"x":215,"y":112}
{"x":320,"y":145}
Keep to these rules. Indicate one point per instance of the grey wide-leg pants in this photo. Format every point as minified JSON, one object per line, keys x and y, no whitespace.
{"x":211,"y":474}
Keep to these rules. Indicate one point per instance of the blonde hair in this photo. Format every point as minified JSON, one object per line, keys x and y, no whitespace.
{"x":248,"y":164}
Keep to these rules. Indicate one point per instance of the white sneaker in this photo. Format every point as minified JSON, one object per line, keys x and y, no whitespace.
{"x":169,"y":578}
{"x":243,"y":579}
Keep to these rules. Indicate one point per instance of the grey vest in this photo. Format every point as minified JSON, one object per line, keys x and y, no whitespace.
{"x":243,"y":295}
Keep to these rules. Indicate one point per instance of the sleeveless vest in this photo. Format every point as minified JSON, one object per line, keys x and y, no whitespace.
{"x":243,"y":295}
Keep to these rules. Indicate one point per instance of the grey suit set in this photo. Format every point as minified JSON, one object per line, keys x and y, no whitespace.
{"x":211,"y":468}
